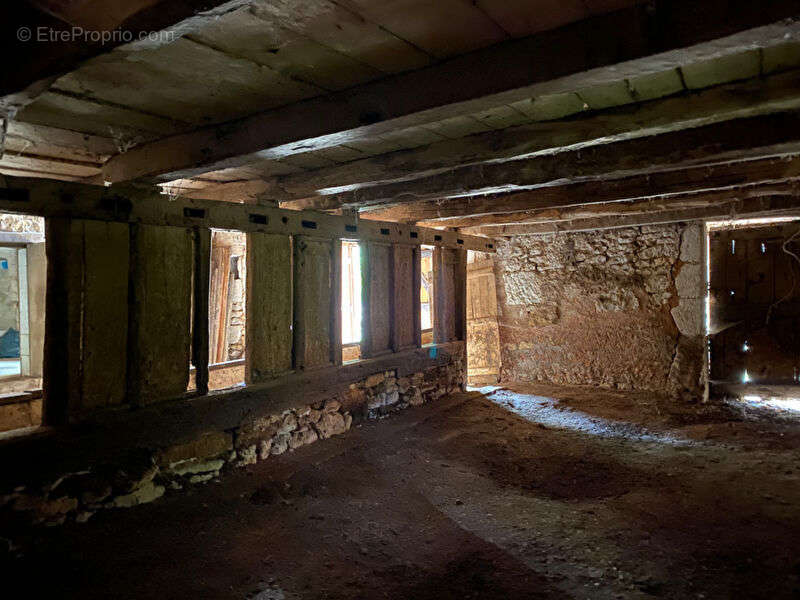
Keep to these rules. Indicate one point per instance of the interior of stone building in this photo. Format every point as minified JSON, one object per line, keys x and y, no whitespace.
{"x":430,"y":299}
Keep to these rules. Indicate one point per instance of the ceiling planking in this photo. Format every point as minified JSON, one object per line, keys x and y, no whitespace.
{"x":258,"y":55}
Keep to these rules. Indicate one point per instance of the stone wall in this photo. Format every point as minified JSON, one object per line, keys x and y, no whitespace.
{"x":617,"y":308}
{"x":144,"y":475}
{"x":9,"y":290}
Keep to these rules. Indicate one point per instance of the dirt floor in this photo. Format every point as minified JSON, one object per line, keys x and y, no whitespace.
{"x":540,"y":492}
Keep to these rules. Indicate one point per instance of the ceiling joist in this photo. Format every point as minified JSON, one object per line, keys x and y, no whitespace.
{"x":657,"y":38}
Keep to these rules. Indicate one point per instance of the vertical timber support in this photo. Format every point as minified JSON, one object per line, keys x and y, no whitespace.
{"x":312,"y":301}
{"x":460,"y":289}
{"x":416,"y":285}
{"x":405,"y":311}
{"x":159,"y":351}
{"x":336,"y":301}
{"x":86,"y":321}
{"x":444,"y":298}
{"x":377,"y":300}
{"x":61,"y":365}
{"x":200,"y":289}
{"x":268,"y":352}
{"x":366,"y":329}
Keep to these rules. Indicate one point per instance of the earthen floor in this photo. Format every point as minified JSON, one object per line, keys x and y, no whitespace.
{"x":539,"y":492}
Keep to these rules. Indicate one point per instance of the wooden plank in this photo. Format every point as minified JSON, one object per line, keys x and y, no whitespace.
{"x":129,"y":204}
{"x":416,"y":301}
{"x":460,"y":294}
{"x":501,"y":74}
{"x":406,"y":287}
{"x":312,"y":302}
{"x":218,"y":302}
{"x":269,"y":307}
{"x":377,"y":268}
{"x":336,"y":301}
{"x":483,"y":335}
{"x":751,"y":207}
{"x":444,"y":299}
{"x":737,"y":139}
{"x":775,"y":93}
{"x":161,"y":278}
{"x":61,"y":382}
{"x":37,"y":65}
{"x":703,"y":184}
{"x":760,"y":271}
{"x":105,"y":313}
{"x":37,"y":298}
{"x":200,"y":294}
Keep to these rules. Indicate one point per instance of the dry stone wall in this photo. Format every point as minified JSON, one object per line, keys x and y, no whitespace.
{"x":617,"y":308}
{"x":145,"y":475}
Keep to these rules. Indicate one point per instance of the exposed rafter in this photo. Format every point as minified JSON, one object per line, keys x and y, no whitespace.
{"x":770,"y":135}
{"x":751,"y":207}
{"x":656,"y":38}
{"x":691,"y":109}
{"x":466,"y":212}
{"x":39,"y":62}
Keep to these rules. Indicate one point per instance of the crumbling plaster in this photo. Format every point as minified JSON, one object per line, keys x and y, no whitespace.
{"x":620,"y":308}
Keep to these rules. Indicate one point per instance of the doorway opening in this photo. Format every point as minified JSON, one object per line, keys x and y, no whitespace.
{"x":483,"y":331}
{"x":752,"y":308}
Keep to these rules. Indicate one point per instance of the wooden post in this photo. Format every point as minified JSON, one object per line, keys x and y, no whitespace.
{"x":445,"y":297}
{"x":366,"y":327}
{"x":268,"y":351}
{"x":159,"y":349}
{"x":377,"y":300}
{"x":336,"y":301}
{"x":200,"y":341}
{"x":416,"y":285}
{"x":460,"y":289}
{"x":405,"y":287}
{"x":394,"y":325}
{"x":61,"y":366}
{"x":312,"y":300}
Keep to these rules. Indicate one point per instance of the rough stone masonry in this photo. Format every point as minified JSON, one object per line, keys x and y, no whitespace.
{"x":621,"y":308}
{"x":147,"y":474}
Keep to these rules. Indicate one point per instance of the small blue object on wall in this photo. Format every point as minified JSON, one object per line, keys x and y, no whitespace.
{"x":4,"y":264}
{"x":433,"y":352}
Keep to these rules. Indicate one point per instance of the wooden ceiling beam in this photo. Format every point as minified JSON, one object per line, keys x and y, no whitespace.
{"x":690,"y":109}
{"x":39,"y":61}
{"x":754,"y":137}
{"x":467,"y":212}
{"x":656,"y":37}
{"x":698,"y":199}
{"x":737,"y":208}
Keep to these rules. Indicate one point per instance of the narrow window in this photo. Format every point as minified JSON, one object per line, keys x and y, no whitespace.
{"x":351,"y":301}
{"x":227,"y":312}
{"x":426,"y":294}
{"x":23,"y":278}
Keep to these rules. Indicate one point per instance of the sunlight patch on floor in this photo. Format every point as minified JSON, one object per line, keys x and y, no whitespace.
{"x":549,"y":412}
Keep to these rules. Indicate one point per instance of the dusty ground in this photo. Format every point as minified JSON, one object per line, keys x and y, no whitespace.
{"x":594,"y":495}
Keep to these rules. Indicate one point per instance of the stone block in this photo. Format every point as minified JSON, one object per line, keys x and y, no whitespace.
{"x":207,"y":445}
{"x":143,"y":495}
{"x":689,"y":316}
{"x":692,"y":244}
{"x":374,"y":380}
{"x":690,"y":281}
{"x":301,"y":437}
{"x":280,"y":443}
{"x":264,"y":448}
{"x":331,"y":424}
